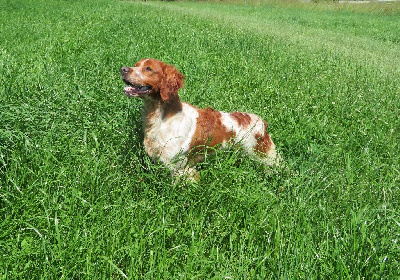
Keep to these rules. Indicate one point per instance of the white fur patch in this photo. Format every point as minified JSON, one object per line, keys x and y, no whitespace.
{"x":244,"y":136}
{"x":168,"y":138}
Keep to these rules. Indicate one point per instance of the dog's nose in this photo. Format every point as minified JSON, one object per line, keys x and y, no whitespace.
{"x":124,"y":70}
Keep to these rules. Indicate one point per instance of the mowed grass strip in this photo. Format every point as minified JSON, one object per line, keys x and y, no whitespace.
{"x":359,"y":36}
{"x":80,"y":199}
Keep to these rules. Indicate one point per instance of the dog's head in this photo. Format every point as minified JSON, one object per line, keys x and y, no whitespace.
{"x":153,"y":78}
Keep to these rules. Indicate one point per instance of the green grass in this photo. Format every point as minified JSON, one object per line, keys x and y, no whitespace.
{"x":79,"y":198}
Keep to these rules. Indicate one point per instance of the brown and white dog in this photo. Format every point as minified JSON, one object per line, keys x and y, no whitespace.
{"x":177,"y":133}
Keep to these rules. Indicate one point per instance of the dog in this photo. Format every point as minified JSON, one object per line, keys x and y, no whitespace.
{"x":179,"y":134}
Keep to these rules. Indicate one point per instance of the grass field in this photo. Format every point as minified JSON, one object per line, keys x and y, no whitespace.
{"x":80,"y":199}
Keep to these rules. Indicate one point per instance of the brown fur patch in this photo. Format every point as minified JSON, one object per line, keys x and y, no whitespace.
{"x":243,"y":119}
{"x":264,"y":141}
{"x":171,"y":83}
{"x":154,"y":77}
{"x":209,"y":131}
{"x":171,"y":108}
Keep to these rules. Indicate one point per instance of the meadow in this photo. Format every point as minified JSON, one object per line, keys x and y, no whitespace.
{"x":80,"y":199}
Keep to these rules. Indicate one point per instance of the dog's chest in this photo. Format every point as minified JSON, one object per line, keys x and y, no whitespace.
{"x":165,"y":138}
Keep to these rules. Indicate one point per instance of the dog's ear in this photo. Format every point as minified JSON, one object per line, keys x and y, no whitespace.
{"x":171,"y":83}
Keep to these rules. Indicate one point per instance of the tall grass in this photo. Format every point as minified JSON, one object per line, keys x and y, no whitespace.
{"x":79,"y":198}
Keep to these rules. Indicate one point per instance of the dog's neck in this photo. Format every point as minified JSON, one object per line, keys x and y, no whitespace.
{"x":157,"y":108}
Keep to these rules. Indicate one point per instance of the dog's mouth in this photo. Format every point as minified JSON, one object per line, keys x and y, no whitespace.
{"x":136,"y":90}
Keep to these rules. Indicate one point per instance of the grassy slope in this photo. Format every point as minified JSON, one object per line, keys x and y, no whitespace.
{"x":80,"y":199}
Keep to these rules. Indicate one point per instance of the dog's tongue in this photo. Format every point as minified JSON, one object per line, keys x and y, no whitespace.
{"x":129,"y":90}
{"x":136,"y":91}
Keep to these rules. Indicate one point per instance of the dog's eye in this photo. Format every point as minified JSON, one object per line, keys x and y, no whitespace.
{"x":148,"y":69}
